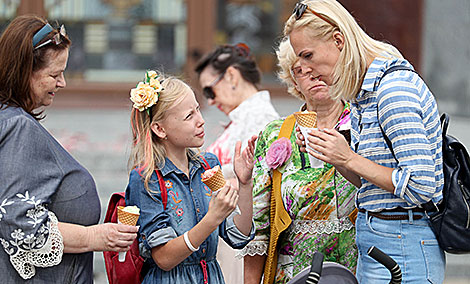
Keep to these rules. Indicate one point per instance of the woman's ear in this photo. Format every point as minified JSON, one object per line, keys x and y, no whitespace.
{"x":233,"y":76}
{"x":158,"y":130}
{"x":338,"y":37}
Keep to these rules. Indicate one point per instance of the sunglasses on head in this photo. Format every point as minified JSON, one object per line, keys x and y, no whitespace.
{"x":207,"y":91}
{"x":44,"y":32}
{"x":300,"y":9}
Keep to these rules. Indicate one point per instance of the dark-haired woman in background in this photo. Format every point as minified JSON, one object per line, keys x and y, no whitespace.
{"x":229,"y":77}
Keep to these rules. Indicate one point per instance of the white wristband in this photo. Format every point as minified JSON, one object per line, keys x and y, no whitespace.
{"x":188,"y":243}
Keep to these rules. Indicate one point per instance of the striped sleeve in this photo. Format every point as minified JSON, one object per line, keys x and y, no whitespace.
{"x":409,"y":117}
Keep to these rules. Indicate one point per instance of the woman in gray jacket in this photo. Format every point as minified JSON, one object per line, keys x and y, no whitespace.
{"x":49,"y":207}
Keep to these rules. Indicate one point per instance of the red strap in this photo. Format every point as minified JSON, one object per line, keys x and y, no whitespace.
{"x":205,"y":165}
{"x":162,"y":188}
{"x":204,"y":271}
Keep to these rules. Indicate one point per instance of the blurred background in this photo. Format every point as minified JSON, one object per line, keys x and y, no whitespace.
{"x":115,"y":41}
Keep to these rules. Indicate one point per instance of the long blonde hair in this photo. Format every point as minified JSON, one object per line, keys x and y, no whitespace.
{"x":351,"y":66}
{"x":147,"y":151}
{"x":286,"y":60}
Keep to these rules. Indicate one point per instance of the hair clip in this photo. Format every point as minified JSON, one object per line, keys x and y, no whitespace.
{"x":243,"y":49}
{"x":146,"y":93}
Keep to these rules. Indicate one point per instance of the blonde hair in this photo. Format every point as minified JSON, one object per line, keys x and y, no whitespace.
{"x":351,"y":66}
{"x":286,"y":60}
{"x":147,"y":151}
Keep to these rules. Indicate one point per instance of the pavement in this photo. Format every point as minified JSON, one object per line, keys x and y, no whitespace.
{"x":99,"y":138}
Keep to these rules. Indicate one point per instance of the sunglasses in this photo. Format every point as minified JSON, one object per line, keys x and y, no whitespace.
{"x":47,"y":29}
{"x":207,"y":91}
{"x":300,"y":9}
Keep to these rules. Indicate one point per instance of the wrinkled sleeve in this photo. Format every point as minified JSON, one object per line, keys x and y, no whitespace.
{"x":232,"y":236}
{"x":154,"y":221}
{"x":407,"y":119}
{"x":262,"y":184}
{"x":30,"y":175}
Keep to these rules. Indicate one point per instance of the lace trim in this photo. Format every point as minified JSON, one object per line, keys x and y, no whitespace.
{"x":320,"y":226}
{"x":23,"y":255}
{"x":253,"y":248}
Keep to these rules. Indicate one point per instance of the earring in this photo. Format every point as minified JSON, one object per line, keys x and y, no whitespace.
{"x":233,"y":87}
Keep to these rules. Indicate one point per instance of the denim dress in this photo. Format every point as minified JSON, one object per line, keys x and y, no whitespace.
{"x":188,"y":202}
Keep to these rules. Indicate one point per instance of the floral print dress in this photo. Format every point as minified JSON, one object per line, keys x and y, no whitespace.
{"x":318,"y":201}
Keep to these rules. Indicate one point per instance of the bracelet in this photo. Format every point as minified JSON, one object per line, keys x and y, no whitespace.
{"x":188,"y":243}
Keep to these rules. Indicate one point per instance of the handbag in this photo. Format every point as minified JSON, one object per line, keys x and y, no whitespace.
{"x":450,"y":219}
{"x":133,"y":269}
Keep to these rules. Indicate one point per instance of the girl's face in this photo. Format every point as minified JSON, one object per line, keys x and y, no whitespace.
{"x":183,"y":124}
{"x":47,"y":81}
{"x":318,"y":57}
{"x":224,"y":99}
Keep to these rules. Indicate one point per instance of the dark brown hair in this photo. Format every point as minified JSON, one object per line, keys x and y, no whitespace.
{"x":19,"y":59}
{"x":237,"y":56}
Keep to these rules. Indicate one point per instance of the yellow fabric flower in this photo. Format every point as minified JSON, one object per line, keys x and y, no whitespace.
{"x":154,"y":83}
{"x":144,"y":96}
{"x":152,"y":74}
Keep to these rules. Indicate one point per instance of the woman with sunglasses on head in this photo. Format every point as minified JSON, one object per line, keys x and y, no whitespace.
{"x":179,"y":237}
{"x":396,"y":179}
{"x":229,"y":77}
{"x":318,"y":199}
{"x":49,"y":207}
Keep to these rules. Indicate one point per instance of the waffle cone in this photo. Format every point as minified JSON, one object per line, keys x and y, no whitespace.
{"x":126,"y":217}
{"x":306,"y":119}
{"x":215,"y":182}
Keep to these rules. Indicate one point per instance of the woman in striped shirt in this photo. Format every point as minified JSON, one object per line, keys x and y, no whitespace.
{"x":394,"y":178}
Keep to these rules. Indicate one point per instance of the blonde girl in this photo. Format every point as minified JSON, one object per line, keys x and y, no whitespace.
{"x":179,"y":240}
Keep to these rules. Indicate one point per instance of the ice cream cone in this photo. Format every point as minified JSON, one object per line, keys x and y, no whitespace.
{"x":306,"y":118}
{"x":127,"y":218}
{"x":216,"y":181}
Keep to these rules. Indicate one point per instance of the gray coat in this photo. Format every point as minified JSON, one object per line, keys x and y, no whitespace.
{"x":39,"y":179}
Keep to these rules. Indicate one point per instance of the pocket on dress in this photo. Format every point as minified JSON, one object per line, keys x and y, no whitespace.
{"x":434,"y":260}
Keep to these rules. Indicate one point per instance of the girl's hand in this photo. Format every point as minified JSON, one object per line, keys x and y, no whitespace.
{"x":300,"y":140}
{"x":243,"y":163}
{"x":331,"y":145}
{"x":223,"y":203}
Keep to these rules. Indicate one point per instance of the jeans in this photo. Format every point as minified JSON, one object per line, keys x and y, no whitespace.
{"x":411,"y":243}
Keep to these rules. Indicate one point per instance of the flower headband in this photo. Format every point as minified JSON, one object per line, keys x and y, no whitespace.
{"x":146,"y":93}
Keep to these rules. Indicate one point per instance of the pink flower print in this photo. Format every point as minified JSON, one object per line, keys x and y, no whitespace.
{"x":278,"y":153}
{"x":179,"y":211}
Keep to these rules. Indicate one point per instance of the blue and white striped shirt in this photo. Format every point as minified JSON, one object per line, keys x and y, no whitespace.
{"x":409,"y":116}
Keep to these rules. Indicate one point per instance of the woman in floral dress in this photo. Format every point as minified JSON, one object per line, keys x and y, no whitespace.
{"x":319,"y":201}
